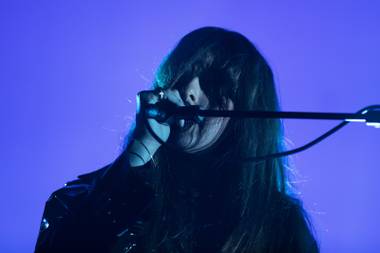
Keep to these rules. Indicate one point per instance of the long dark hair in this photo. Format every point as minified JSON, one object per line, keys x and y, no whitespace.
{"x":253,"y":199}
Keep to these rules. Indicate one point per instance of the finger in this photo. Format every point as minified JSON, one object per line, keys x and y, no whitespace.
{"x":174,"y":96}
{"x":147,"y":97}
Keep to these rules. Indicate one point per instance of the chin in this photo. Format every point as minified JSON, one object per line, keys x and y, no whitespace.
{"x":199,"y":148}
{"x":186,"y":147}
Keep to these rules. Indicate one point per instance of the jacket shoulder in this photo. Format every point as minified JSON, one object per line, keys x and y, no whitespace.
{"x":74,"y":192}
{"x":88,"y":212}
{"x":63,"y":207}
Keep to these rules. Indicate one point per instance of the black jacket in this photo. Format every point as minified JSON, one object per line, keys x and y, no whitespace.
{"x":103,"y":211}
{"x":91,"y":213}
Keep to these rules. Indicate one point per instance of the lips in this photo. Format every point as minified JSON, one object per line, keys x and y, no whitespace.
{"x":188,"y":124}
{"x":184,"y":124}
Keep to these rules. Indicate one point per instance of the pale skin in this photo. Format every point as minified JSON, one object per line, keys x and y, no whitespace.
{"x":191,"y":138}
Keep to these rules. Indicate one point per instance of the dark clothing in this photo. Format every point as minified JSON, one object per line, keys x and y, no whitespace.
{"x":104,"y":211}
{"x":88,"y":214}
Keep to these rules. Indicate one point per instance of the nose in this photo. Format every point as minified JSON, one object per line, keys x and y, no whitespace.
{"x":192,"y":92}
{"x":190,"y":96}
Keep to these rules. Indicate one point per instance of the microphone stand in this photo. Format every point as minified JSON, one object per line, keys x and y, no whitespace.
{"x":166,"y":112}
{"x":368,"y":115}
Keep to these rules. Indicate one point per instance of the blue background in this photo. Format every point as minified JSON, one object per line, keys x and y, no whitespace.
{"x":69,"y":72}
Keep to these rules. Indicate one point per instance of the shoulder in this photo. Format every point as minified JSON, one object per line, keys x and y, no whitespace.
{"x":114,"y":178}
{"x":64,"y":201}
{"x":92,"y":189}
{"x":94,"y":205}
{"x":62,"y":209}
{"x":75,"y":191}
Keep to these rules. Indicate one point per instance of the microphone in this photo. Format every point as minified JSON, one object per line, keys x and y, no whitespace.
{"x":166,"y":111}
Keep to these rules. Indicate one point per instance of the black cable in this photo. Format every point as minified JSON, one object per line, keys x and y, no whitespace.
{"x":279,"y":154}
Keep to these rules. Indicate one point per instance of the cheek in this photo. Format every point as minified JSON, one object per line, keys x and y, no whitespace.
{"x":203,"y":101}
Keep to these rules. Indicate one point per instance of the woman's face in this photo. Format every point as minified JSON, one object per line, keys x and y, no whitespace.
{"x":188,"y":135}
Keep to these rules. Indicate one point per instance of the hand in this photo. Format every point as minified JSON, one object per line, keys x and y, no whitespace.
{"x":143,"y":145}
{"x":162,"y":130}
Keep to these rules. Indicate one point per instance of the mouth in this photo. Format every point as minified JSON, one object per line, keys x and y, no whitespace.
{"x":185,"y":124}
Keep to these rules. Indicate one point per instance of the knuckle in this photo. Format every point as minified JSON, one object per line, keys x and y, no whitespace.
{"x":147,"y":95}
{"x":142,"y":94}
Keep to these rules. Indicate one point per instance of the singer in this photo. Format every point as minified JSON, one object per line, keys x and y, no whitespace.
{"x":190,"y":189}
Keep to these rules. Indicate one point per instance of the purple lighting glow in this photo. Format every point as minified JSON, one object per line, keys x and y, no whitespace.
{"x":70,"y":71}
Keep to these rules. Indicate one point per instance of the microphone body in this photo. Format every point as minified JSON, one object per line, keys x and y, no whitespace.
{"x":167,"y":112}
